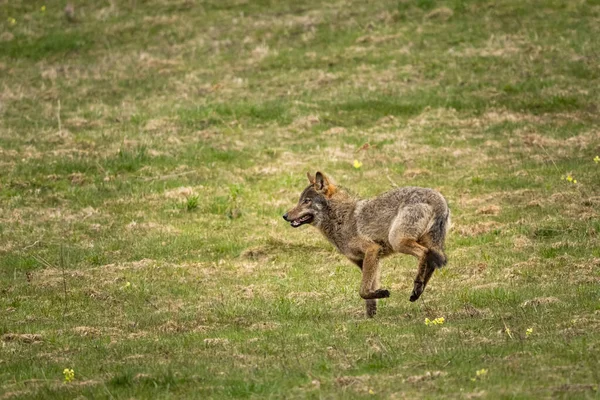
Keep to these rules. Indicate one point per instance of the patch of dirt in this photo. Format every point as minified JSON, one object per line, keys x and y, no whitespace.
{"x":180,"y":193}
{"x":575,"y":387}
{"x":19,"y":393}
{"x":163,"y":125}
{"x":496,"y":46}
{"x":476,"y":229}
{"x":147,"y":62}
{"x":428,"y":376}
{"x":346,"y":381}
{"x":379,"y":38}
{"x":140,"y":264}
{"x":79,"y":122}
{"x":535,"y":139}
{"x":247,"y":292}
{"x":387,"y":121}
{"x":265,"y":326}
{"x":306,"y":122}
{"x":521,"y":242}
{"x":336,"y":130}
{"x":134,"y":357}
{"x":261,"y":52}
{"x":141,"y":376}
{"x":475,"y":395}
{"x":137,"y":335}
{"x":304,"y":295}
{"x":6,"y":37}
{"x":22,"y":337}
{"x":7,"y":246}
{"x":318,"y":79}
{"x":478,"y":200}
{"x":540,"y":301}
{"x":216,"y":341}
{"x":489,"y":210}
{"x":86,"y":331}
{"x":486,"y":286}
{"x":172,"y":327}
{"x":146,"y":226}
{"x":266,"y":170}
{"x":472,"y":312}
{"x":256,"y":253}
{"x":416,"y":172}
{"x":440,"y":14}
{"x":77,"y":178}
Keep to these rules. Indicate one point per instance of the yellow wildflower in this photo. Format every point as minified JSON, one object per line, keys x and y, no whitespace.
{"x":12,"y":21}
{"x":43,"y":9}
{"x":481,"y":372}
{"x":597,"y":159}
{"x":127,"y":285}
{"x":529,"y":332}
{"x":357,"y":164}
{"x":69,"y":374}
{"x":437,"y":321}
{"x":569,"y":178}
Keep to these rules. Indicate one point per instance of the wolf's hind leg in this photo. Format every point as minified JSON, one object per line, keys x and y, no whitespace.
{"x":410,"y":246}
{"x":408,"y":227}
{"x":423,"y":275}
{"x":432,"y":259}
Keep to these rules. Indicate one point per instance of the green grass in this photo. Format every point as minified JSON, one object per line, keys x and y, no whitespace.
{"x":149,"y":149}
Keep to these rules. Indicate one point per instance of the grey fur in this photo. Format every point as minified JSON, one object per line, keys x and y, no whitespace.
{"x":410,"y":220}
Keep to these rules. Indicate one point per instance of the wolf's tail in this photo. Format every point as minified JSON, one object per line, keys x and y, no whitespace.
{"x":438,"y":232}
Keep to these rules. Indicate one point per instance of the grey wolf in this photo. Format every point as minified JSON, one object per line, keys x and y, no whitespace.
{"x":409,"y":220}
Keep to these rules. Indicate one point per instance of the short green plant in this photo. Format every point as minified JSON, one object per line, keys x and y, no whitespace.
{"x":191,"y":203}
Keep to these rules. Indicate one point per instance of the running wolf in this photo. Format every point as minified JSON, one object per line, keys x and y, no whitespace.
{"x":409,"y":220}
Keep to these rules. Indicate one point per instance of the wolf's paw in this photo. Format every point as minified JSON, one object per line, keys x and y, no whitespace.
{"x":382,"y":293}
{"x":417,"y":291}
{"x":377,"y":294}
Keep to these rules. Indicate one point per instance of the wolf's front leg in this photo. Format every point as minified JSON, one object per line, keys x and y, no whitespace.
{"x":371,"y":304}
{"x":371,"y":307}
{"x":369,"y":288}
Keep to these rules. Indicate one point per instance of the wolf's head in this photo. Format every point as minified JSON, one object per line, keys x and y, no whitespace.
{"x":313,"y":202}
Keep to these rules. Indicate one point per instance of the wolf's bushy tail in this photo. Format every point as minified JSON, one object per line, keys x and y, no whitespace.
{"x":441,"y":225}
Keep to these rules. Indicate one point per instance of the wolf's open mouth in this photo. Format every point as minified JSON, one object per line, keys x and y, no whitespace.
{"x":302,"y":220}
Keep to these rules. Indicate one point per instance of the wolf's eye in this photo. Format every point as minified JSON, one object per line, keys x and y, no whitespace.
{"x":306,"y":201}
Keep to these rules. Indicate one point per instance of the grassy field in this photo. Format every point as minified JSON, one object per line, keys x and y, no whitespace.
{"x":149,"y":148}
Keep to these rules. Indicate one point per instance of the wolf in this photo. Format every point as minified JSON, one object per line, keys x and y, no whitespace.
{"x":409,"y":220}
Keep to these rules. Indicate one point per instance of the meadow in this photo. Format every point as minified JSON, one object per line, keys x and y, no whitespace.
{"x":149,"y":148}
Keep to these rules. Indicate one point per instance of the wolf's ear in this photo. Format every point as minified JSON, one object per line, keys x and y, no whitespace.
{"x":311,"y":178}
{"x":321,"y":182}
{"x":324,"y":185}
